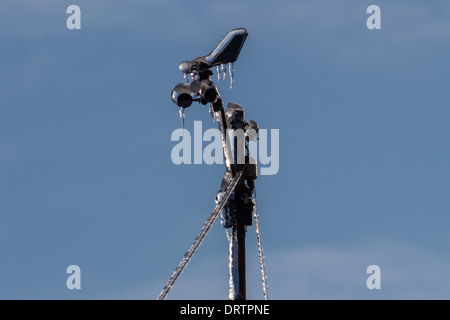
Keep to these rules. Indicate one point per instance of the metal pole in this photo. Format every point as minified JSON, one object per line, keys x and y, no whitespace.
{"x":241,"y":231}
{"x":239,"y":228}
{"x":241,"y":265}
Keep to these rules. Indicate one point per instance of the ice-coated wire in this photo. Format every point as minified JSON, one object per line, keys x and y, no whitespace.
{"x":262,"y":261}
{"x":201,"y":236}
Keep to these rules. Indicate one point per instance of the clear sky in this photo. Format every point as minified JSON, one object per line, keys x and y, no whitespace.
{"x":86,"y":176}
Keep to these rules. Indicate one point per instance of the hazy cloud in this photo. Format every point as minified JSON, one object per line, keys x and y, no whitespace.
{"x":319,"y":273}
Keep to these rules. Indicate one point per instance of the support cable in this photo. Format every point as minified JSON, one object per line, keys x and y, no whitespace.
{"x":262,"y":261}
{"x":201,"y":236}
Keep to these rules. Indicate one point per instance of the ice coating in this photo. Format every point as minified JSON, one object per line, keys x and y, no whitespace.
{"x":231,"y":70}
{"x":262,"y":261}
{"x":233,"y":285}
{"x":182,"y":116}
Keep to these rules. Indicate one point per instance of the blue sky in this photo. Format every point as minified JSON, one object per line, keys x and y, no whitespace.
{"x":86,"y":176}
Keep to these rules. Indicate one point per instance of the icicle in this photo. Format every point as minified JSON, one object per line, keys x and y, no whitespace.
{"x":231,"y":71}
{"x":224,"y":71}
{"x":218,"y":73}
{"x":213,"y":114}
{"x":186,"y":78}
{"x":182,"y":116}
{"x":211,"y":111}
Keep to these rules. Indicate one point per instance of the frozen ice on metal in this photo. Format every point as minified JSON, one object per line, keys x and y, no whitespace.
{"x":212,"y":113}
{"x":231,"y":71}
{"x":233,"y":285}
{"x":182,"y":116}
{"x":262,"y":261}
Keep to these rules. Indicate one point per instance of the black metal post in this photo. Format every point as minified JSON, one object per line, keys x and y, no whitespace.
{"x":242,"y":263}
{"x":240,"y":227}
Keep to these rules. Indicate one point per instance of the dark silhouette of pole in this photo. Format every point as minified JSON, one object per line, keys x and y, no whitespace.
{"x":242,"y":263}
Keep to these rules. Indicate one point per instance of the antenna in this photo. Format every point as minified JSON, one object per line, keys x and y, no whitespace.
{"x":235,"y":201}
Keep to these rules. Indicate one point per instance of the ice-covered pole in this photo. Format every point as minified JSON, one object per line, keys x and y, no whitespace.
{"x":235,"y":196}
